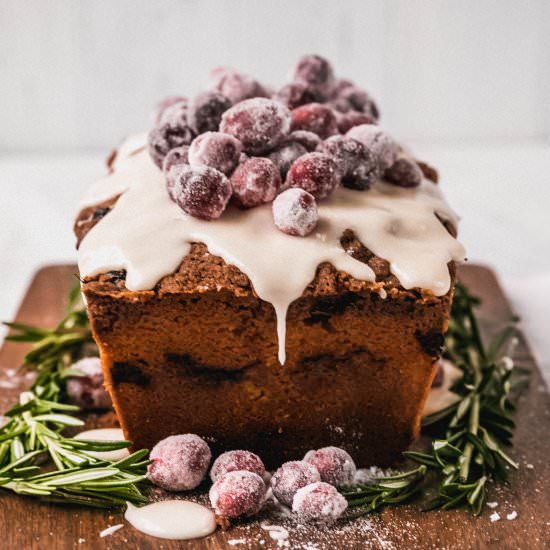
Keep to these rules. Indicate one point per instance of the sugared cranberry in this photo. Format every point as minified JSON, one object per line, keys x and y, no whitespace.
{"x":295,"y":94}
{"x":221,"y":151}
{"x":234,"y":85}
{"x":334,"y":464}
{"x":356,"y":165}
{"x":315,"y":72}
{"x":314,"y":172}
{"x":165,"y":103}
{"x":87,"y":391}
{"x":180,"y":462}
{"x":201,"y":191}
{"x":308,"y":139}
{"x":259,"y":123}
{"x":173,"y":161}
{"x":346,"y":121}
{"x":285,"y":155}
{"x":316,"y":118}
{"x":295,"y":212}
{"x":255,"y":181}
{"x":233,"y":461}
{"x":404,"y":172}
{"x":319,"y":503}
{"x":378,"y":142}
{"x":238,"y":494}
{"x":290,"y":477}
{"x":205,"y":111}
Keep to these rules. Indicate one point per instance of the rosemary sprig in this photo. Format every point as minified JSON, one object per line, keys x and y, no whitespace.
{"x":469,"y":435}
{"x":32,"y":433}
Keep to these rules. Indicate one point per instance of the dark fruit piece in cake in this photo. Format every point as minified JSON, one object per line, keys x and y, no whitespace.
{"x":205,"y":111}
{"x":237,"y":494}
{"x":233,"y":461}
{"x":295,"y":212}
{"x":220,"y":151}
{"x":256,"y":181}
{"x":404,"y":172}
{"x":315,"y":117}
{"x":316,"y":173}
{"x":291,"y":477}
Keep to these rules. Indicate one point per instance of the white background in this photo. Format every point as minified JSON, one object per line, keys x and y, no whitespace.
{"x":466,"y":83}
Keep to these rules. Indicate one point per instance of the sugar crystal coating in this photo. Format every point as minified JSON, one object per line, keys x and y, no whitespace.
{"x":171,"y":165}
{"x":295,"y":94}
{"x":319,"y":503}
{"x":234,"y":85}
{"x":316,"y":173}
{"x":315,"y":117}
{"x":295,"y":212}
{"x":315,"y":72}
{"x":88,"y":391}
{"x":378,"y":142}
{"x":334,"y":464}
{"x":259,"y":123}
{"x":404,"y":172}
{"x":237,"y":494}
{"x":220,"y":151}
{"x":256,"y":181}
{"x":285,"y":154}
{"x":205,"y":111}
{"x":201,"y":191}
{"x":233,"y":461}
{"x":165,"y":103}
{"x":308,"y":139}
{"x":180,"y":462}
{"x":291,"y":477}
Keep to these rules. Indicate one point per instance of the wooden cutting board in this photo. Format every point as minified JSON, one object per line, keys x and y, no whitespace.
{"x":26,"y":523}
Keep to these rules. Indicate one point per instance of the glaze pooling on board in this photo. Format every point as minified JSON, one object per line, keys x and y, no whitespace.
{"x":147,"y":235}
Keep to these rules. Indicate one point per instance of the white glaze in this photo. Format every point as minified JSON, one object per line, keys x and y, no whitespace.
{"x":105,"y":434}
{"x":442,"y":397}
{"x":147,"y":235}
{"x":172,"y":519}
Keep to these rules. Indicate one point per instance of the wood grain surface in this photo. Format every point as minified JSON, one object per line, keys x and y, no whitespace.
{"x":26,"y":523}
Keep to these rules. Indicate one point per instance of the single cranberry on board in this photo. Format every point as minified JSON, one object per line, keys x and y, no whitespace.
{"x":291,"y":477}
{"x":201,"y":191}
{"x":380,"y":143}
{"x":334,"y":464}
{"x":87,"y":391}
{"x":315,"y":72}
{"x":232,"y":461}
{"x":255,"y":181}
{"x":180,"y":462}
{"x":259,"y":123}
{"x":316,"y":173}
{"x":295,"y":212}
{"x":220,"y":151}
{"x":205,"y":111}
{"x":238,"y":494}
{"x":284,"y":155}
{"x":319,"y":503}
{"x":315,"y":117}
{"x":404,"y":172}
{"x":234,"y":85}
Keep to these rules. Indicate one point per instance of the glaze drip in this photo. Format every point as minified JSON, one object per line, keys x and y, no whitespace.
{"x":147,"y":235}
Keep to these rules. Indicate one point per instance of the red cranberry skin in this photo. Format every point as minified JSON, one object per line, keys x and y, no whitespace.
{"x":308,"y":139}
{"x":315,"y":117}
{"x":205,"y":111}
{"x":291,"y":477}
{"x":260,"y":124}
{"x":180,"y":462}
{"x":381,"y":144}
{"x":315,"y":72}
{"x":284,"y":156}
{"x":404,"y":172}
{"x":236,"y":86}
{"x":295,"y":212}
{"x":220,"y":151}
{"x":356,"y":165}
{"x":334,"y":465}
{"x":346,"y":121}
{"x":295,"y":94}
{"x":171,"y":165}
{"x":201,"y":191}
{"x":255,"y":181}
{"x":165,"y":103}
{"x":234,"y":461}
{"x":319,"y":503}
{"x":316,"y":173}
{"x":87,"y":391}
{"x":237,"y":494}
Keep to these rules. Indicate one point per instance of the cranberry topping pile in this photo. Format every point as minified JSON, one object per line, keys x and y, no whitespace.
{"x":239,"y":142}
{"x":240,"y":482}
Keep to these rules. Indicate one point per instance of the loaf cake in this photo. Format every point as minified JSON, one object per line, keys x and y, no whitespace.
{"x":269,"y":270}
